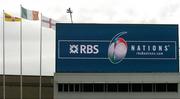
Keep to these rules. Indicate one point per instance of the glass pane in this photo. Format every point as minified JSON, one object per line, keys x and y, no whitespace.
{"x":173,"y":87}
{"x":112,"y":88}
{"x":122,"y":87}
{"x":147,"y":87}
{"x":99,"y":87}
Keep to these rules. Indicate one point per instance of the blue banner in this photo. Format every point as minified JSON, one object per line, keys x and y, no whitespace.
{"x":116,"y":48}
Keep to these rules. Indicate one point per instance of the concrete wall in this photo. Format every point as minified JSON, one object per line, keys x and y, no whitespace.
{"x":116,"y":78}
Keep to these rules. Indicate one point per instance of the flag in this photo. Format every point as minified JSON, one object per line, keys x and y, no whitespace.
{"x":29,"y":14}
{"x":11,"y":18}
{"x":48,"y":22}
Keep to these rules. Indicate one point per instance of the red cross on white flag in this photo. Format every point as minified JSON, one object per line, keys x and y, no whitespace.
{"x":48,"y":22}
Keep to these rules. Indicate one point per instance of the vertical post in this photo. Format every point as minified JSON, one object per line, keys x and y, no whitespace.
{"x":21,"y":89}
{"x":4,"y":77}
{"x":70,"y":13}
{"x":40,"y":82}
{"x":71,"y":17}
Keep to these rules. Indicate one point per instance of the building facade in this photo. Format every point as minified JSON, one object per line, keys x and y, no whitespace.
{"x":117,"y":86}
{"x":30,"y":87}
{"x":117,"y":61}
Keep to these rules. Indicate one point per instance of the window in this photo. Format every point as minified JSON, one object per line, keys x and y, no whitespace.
{"x":160,"y":87}
{"x":118,"y":87}
{"x":154,"y":87}
{"x":77,"y":87}
{"x":112,"y":88}
{"x":81,"y":87}
{"x":123,"y":87}
{"x":60,"y":87}
{"x":99,"y":87}
{"x":129,"y":87}
{"x":136,"y":87}
{"x":88,"y":87}
{"x":147,"y":87}
{"x":71,"y":87}
{"x":65,"y":88}
{"x":172,"y":87}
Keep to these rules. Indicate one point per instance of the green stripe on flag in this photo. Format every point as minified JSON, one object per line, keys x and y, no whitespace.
{"x":23,"y":13}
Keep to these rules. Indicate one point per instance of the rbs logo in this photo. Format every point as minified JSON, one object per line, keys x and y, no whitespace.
{"x":83,"y":49}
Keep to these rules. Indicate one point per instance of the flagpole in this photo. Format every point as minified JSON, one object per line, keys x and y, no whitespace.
{"x":4,"y":77}
{"x":21,"y":89}
{"x":71,"y":17}
{"x":40,"y":78}
{"x":70,"y":13}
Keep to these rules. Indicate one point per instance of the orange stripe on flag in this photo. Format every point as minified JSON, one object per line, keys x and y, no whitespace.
{"x":35,"y":15}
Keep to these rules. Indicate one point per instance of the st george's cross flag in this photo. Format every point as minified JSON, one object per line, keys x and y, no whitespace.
{"x":29,"y":14}
{"x":48,"y":22}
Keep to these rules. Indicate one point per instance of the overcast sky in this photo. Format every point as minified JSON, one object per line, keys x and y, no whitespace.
{"x":84,"y":11}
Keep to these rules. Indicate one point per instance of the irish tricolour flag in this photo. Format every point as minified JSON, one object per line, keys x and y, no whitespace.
{"x":29,"y":14}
